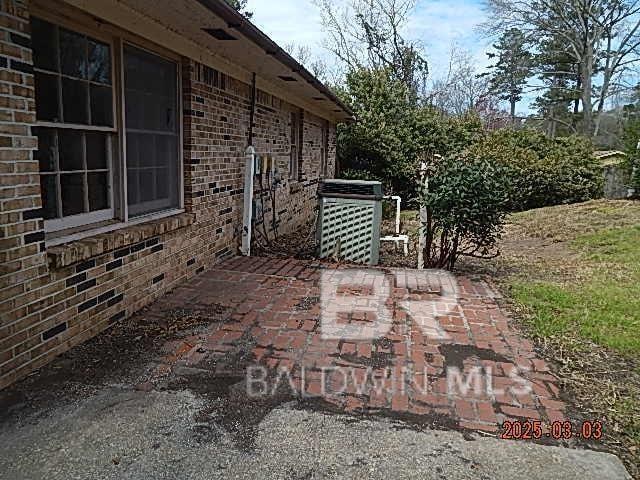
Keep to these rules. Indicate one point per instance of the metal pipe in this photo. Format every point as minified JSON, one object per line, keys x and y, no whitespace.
{"x":247,"y":219}
{"x":252,"y":112}
{"x":398,"y":201}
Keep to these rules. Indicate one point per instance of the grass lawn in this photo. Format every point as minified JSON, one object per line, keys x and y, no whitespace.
{"x":604,"y":308}
{"x":572,"y":275}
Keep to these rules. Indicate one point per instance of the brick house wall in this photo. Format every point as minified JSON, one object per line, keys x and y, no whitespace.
{"x":52,"y":298}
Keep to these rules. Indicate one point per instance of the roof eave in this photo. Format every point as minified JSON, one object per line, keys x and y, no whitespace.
{"x":238,"y":22}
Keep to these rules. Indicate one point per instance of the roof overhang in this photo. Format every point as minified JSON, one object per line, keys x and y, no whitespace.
{"x":215,"y":34}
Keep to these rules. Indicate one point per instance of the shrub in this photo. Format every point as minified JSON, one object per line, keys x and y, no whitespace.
{"x":392,"y":132}
{"x":466,"y":201}
{"x":543,"y":171}
{"x":352,"y":174}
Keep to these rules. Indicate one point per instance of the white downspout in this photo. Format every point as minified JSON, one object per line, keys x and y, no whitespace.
{"x":247,"y":219}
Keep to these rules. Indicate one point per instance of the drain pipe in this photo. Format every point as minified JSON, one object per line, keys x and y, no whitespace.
{"x":398,"y":201}
{"x":397,"y":238}
{"x":249,"y":176}
{"x":247,"y":219}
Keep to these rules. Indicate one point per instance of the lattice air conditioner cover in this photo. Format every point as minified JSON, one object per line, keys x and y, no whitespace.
{"x":349,"y":224}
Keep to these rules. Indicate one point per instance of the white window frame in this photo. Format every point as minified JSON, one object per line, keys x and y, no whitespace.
{"x":74,"y":221}
{"x":295,"y":118}
{"x":123,"y":135}
{"x":117,"y":216}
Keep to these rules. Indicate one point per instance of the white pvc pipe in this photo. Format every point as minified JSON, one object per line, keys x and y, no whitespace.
{"x":398,"y":201}
{"x":247,"y":218}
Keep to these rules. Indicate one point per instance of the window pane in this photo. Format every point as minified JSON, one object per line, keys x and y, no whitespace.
{"x":96,"y":150}
{"x":43,"y":41}
{"x":152,"y":158}
{"x":74,"y":101}
{"x":133,"y":157}
{"x":72,"y":193}
{"x":162,"y":183}
{"x":98,"y":184}
{"x":150,"y":84}
{"x":73,"y":53}
{"x":99,"y":62}
{"x":47,"y":97}
{"x":148,"y":155}
{"x":147,"y":185}
{"x":101,"y":106}
{"x":46,"y":148}
{"x":49,"y":196}
{"x":70,"y":150}
{"x":133,"y":191}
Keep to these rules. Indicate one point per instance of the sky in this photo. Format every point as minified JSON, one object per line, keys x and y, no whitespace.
{"x":437,"y":24}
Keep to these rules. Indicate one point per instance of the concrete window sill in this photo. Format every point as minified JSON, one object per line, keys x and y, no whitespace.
{"x":119,"y":236}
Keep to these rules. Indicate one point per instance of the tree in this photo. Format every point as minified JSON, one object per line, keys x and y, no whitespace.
{"x":240,"y":6}
{"x":466,"y":200}
{"x":383,"y":141}
{"x":462,"y":89}
{"x":601,"y":36}
{"x":365,"y":34}
{"x":512,"y":69}
{"x":560,"y":75}
{"x":303,"y":55}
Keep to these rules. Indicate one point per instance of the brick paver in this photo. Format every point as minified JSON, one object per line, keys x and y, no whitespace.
{"x":440,"y":344}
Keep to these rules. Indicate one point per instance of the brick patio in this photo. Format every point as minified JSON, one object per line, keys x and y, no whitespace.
{"x":426,"y":325}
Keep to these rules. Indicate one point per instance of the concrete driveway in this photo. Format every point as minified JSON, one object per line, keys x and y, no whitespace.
{"x":265,"y":368}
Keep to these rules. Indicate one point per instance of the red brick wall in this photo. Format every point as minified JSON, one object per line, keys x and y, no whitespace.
{"x":54,"y":298}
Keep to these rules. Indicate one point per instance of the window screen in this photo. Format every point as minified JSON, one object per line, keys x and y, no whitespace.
{"x":151,"y":100}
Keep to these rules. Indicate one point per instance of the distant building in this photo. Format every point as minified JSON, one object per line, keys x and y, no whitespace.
{"x":616,"y":173}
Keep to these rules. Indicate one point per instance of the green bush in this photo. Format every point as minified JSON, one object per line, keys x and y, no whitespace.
{"x":382,"y":142}
{"x":352,"y":174}
{"x":466,"y":200}
{"x":543,"y":171}
{"x":393,"y":132}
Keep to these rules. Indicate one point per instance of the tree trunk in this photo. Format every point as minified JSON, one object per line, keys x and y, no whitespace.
{"x":587,"y":105}
{"x":603,"y":95}
{"x":576,"y":102}
{"x":513,"y":110}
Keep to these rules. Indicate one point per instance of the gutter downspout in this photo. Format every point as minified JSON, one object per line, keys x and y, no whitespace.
{"x":249,"y":176}
{"x":247,"y":219}
{"x":252,"y":112}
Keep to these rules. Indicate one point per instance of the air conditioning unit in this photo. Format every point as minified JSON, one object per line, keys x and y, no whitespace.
{"x":350,"y":214}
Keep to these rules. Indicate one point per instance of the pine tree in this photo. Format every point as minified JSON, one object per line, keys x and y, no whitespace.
{"x":512,"y":69}
{"x":560,"y":75}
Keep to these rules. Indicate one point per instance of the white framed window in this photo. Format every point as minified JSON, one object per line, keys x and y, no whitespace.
{"x":296,"y":145}
{"x":152,"y":132}
{"x":108,"y":127}
{"x":324,"y":150}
